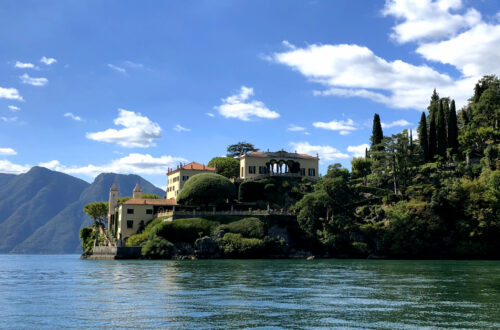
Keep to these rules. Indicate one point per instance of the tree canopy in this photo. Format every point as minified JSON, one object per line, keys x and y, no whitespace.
{"x":206,"y":189}
{"x":98,"y":211}
{"x":240,"y":148}
{"x":226,"y":166}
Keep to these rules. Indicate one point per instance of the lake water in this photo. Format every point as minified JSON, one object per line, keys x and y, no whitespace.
{"x":64,"y":291}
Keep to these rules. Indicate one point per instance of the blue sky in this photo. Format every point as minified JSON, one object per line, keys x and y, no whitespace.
{"x":138,"y":86}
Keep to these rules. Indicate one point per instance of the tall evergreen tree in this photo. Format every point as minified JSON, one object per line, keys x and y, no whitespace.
{"x":432,"y":137}
{"x":453,"y":129}
{"x":434,"y":105}
{"x":377,"y":134}
{"x":422,"y":137}
{"x":441,"y":132}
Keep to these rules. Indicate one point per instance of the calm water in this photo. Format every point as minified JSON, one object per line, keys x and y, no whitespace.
{"x":64,"y":291}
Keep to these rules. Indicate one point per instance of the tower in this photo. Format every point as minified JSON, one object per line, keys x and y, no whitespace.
{"x":137,"y":192}
{"x":113,"y":204}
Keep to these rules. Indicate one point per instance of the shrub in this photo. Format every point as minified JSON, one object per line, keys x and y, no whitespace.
{"x":250,"y":191}
{"x":141,"y":238}
{"x":234,"y":245}
{"x":87,"y":236}
{"x":205,"y":189}
{"x":248,"y":227}
{"x":157,"y":248}
{"x":185,"y":230}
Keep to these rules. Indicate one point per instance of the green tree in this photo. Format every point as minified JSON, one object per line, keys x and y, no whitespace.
{"x":98,"y":211}
{"x":432,"y":138}
{"x":206,"y":189}
{"x":422,"y":137}
{"x":240,"y":148}
{"x":434,"y":104}
{"x":226,"y":166}
{"x":361,"y":167}
{"x":453,"y":129}
{"x":441,"y":132}
{"x":377,"y":134}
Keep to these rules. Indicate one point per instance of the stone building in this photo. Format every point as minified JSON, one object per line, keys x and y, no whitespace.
{"x":177,"y":177}
{"x":125,"y":219}
{"x":259,"y":164}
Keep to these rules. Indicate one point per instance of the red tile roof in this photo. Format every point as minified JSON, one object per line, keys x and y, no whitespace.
{"x":193,"y":166}
{"x":151,"y":201}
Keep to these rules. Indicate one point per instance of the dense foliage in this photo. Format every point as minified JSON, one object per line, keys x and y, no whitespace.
{"x":226,"y":166}
{"x":98,"y":211}
{"x":434,"y":198}
{"x":206,"y":189}
{"x":240,"y":148}
{"x":157,"y":248}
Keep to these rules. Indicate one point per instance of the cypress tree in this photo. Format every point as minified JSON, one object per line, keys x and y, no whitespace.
{"x":377,"y":134}
{"x":441,"y":132}
{"x":453,"y":128}
{"x":422,"y":137}
{"x":432,"y":138}
{"x":433,"y":106}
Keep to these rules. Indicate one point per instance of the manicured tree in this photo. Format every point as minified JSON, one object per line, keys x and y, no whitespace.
{"x":422,"y":137}
{"x":441,"y":132}
{"x":432,"y":138}
{"x":377,"y":134}
{"x":206,"y":189}
{"x":453,"y":129}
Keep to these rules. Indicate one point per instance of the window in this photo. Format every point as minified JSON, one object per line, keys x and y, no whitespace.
{"x":130,"y":223}
{"x":251,"y":169}
{"x":312,"y":172}
{"x":262,"y":170}
{"x":149,"y":211}
{"x":185,"y":178}
{"x":130,"y":211}
{"x":303,"y":171}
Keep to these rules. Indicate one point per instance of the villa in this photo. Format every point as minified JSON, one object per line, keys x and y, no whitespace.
{"x":128,"y":217}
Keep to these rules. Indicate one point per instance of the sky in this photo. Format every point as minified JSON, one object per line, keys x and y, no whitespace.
{"x":139,"y":86}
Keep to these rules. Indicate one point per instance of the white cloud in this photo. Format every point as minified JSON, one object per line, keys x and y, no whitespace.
{"x":344,"y":127}
{"x":22,"y":65}
{"x":355,"y":71}
{"x":8,"y":167}
{"x":117,"y":68}
{"x":8,"y":119}
{"x":48,"y":60}
{"x":10,"y":94}
{"x":179,"y":128}
{"x":473,"y":52}
{"x":13,"y":108}
{"x":326,"y":153}
{"x":26,"y":79}
{"x":133,"y":163}
{"x":401,"y":122}
{"x":7,"y":151}
{"x":139,"y":131}
{"x":210,"y":114}
{"x":239,"y":106}
{"x":72,"y":116}
{"x":358,"y":151}
{"x":295,"y":128}
{"x":427,"y":19}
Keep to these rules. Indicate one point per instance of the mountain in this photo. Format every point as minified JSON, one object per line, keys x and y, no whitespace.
{"x":5,"y":178}
{"x":28,"y":201}
{"x":41,"y":211}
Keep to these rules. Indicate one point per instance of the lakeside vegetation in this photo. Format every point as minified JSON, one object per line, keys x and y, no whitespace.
{"x":435,"y":195}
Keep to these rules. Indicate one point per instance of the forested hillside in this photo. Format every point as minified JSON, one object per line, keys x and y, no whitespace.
{"x":432,"y":196}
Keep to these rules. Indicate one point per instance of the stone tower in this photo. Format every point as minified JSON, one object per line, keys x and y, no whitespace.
{"x":137,"y":192}
{"x":113,"y":204}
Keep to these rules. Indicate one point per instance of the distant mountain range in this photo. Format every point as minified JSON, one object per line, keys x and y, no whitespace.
{"x":41,"y":211}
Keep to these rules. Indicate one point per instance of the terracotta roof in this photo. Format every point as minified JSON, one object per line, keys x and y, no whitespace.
{"x":151,"y":201}
{"x":194,"y":166}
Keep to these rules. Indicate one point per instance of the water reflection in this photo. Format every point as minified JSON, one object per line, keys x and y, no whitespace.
{"x":63,"y":291}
